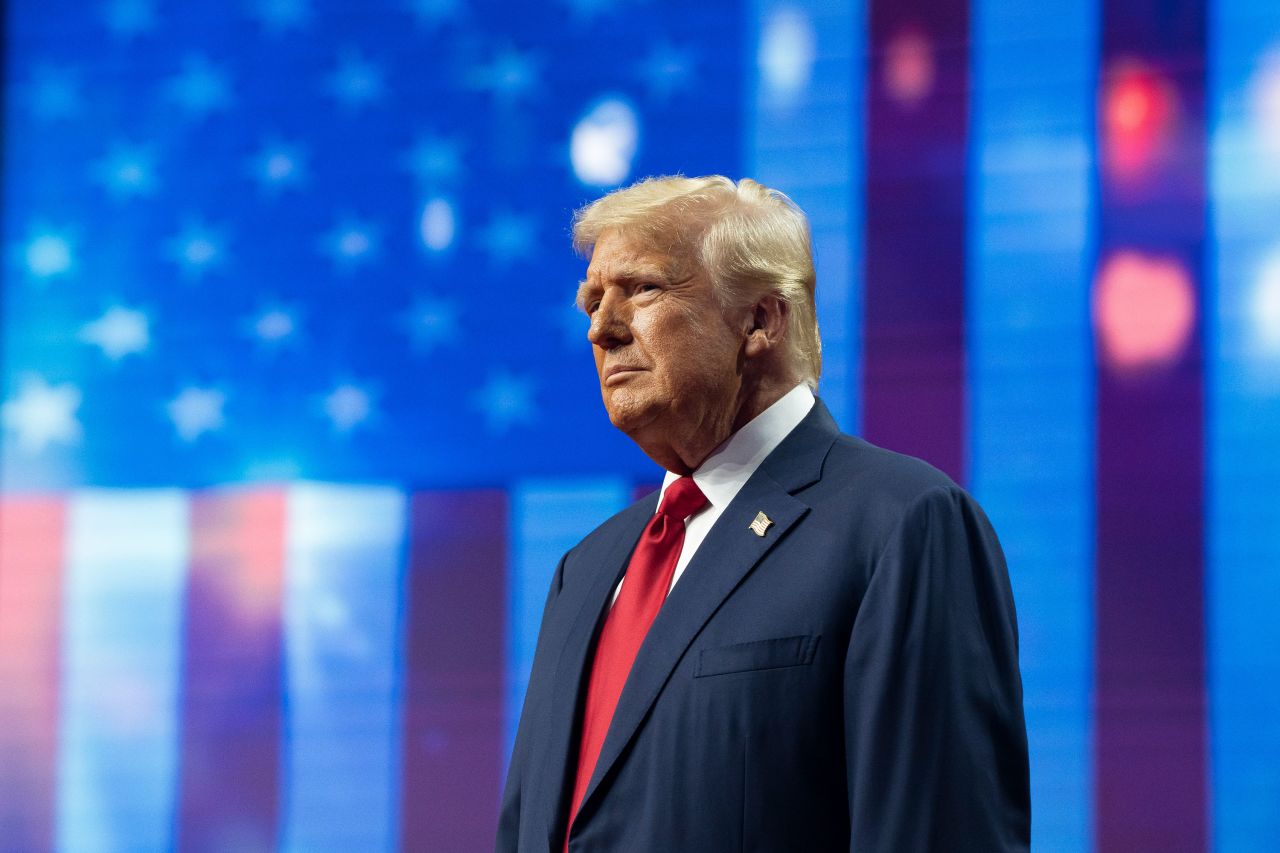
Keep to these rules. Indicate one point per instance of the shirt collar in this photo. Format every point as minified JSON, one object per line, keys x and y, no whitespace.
{"x":729,"y":467}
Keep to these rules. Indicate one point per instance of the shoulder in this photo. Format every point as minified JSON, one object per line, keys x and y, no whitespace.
{"x":849,"y":469}
{"x":886,"y":497}
{"x":889,"y":475}
{"x":867,"y":474}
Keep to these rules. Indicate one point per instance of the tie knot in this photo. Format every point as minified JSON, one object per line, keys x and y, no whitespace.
{"x":682,"y":499}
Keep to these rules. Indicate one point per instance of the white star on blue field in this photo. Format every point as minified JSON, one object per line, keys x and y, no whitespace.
{"x":506,"y":400}
{"x":355,"y":82}
{"x":200,"y":88}
{"x":40,"y":414}
{"x":278,"y":166}
{"x":348,"y":406}
{"x":119,"y":332}
{"x":126,"y":171}
{"x":282,"y":15}
{"x":274,"y":325}
{"x":197,"y":249}
{"x":435,"y":160}
{"x":433,"y":322}
{"x":433,"y":13}
{"x":508,"y":237}
{"x":196,"y":411}
{"x":667,"y":70}
{"x":54,"y":93}
{"x":509,"y":74}
{"x":49,"y":253}
{"x":329,"y":240}
{"x":351,"y":243}
{"x":128,"y":18}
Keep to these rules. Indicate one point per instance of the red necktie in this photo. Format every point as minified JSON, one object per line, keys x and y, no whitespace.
{"x":645,"y":587}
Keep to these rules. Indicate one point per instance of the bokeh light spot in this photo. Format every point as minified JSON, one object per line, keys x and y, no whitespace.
{"x":1264,"y":102}
{"x":909,"y":69}
{"x":437,"y":225}
{"x":1265,"y":313}
{"x":787,"y":51}
{"x":1143,"y":310}
{"x":1139,"y":112}
{"x":604,"y":142}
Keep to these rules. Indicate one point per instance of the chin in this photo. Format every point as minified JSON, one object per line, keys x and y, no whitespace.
{"x":628,"y":414}
{"x":625,"y":420}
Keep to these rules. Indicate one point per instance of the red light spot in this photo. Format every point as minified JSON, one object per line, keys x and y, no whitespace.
{"x":1132,"y":106}
{"x":1139,"y":109}
{"x":1143,"y":310}
{"x":909,"y":69}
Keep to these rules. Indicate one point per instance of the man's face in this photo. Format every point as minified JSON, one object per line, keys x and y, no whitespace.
{"x":667,"y":352}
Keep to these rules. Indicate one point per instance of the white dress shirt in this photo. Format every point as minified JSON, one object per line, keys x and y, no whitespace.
{"x":729,"y":467}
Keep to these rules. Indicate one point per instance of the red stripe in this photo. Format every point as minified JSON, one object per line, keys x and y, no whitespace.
{"x":913,"y":396}
{"x":232,"y":678}
{"x":454,"y":670}
{"x":31,"y":549}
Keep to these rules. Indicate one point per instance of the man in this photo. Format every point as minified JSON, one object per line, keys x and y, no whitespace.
{"x":804,"y":642}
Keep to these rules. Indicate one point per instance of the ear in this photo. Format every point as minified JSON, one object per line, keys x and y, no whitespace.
{"x":767,"y":325}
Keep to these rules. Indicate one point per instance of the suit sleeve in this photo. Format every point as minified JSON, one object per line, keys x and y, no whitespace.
{"x":508,"y":840}
{"x":936,"y":747}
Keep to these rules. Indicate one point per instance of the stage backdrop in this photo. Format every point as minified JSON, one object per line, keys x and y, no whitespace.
{"x":298,"y":415}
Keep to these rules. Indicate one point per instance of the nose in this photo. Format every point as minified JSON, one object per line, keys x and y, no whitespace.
{"x":609,"y":324}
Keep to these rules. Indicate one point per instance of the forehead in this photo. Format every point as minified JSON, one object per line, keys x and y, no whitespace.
{"x":617,"y":256}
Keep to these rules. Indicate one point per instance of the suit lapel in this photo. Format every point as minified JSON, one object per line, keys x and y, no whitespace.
{"x":605,"y":558}
{"x":724,"y":558}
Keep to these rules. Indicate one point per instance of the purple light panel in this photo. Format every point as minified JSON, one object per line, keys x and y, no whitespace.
{"x":454,"y":654}
{"x":917,"y":114}
{"x":1149,"y":742}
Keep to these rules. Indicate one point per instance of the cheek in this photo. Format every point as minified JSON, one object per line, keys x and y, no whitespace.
{"x":645,"y":328}
{"x":667,"y":334}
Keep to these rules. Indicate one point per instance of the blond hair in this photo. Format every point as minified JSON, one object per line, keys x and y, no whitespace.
{"x":750,"y":240}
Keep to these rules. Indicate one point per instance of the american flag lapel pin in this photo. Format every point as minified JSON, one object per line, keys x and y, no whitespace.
{"x":761,"y":524}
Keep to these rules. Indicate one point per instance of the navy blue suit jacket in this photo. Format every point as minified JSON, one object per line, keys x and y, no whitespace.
{"x":848,"y":681}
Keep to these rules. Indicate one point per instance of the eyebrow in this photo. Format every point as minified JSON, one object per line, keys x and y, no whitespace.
{"x":625,"y":275}
{"x":628,"y":273}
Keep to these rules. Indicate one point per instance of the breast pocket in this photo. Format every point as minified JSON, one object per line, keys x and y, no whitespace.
{"x":777,"y":653}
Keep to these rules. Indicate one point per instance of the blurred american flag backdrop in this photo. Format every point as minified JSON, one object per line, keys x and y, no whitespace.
{"x":299,"y":415}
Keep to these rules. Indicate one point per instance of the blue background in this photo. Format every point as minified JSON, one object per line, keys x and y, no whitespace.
{"x":222,"y":267}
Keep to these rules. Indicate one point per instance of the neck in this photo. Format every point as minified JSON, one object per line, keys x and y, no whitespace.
{"x":683,"y":449}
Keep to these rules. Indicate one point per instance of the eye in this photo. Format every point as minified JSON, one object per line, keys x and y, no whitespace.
{"x":591,"y":307}
{"x":647,"y":286}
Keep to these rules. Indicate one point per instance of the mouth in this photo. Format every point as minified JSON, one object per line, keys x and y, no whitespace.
{"x":618,"y":373}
